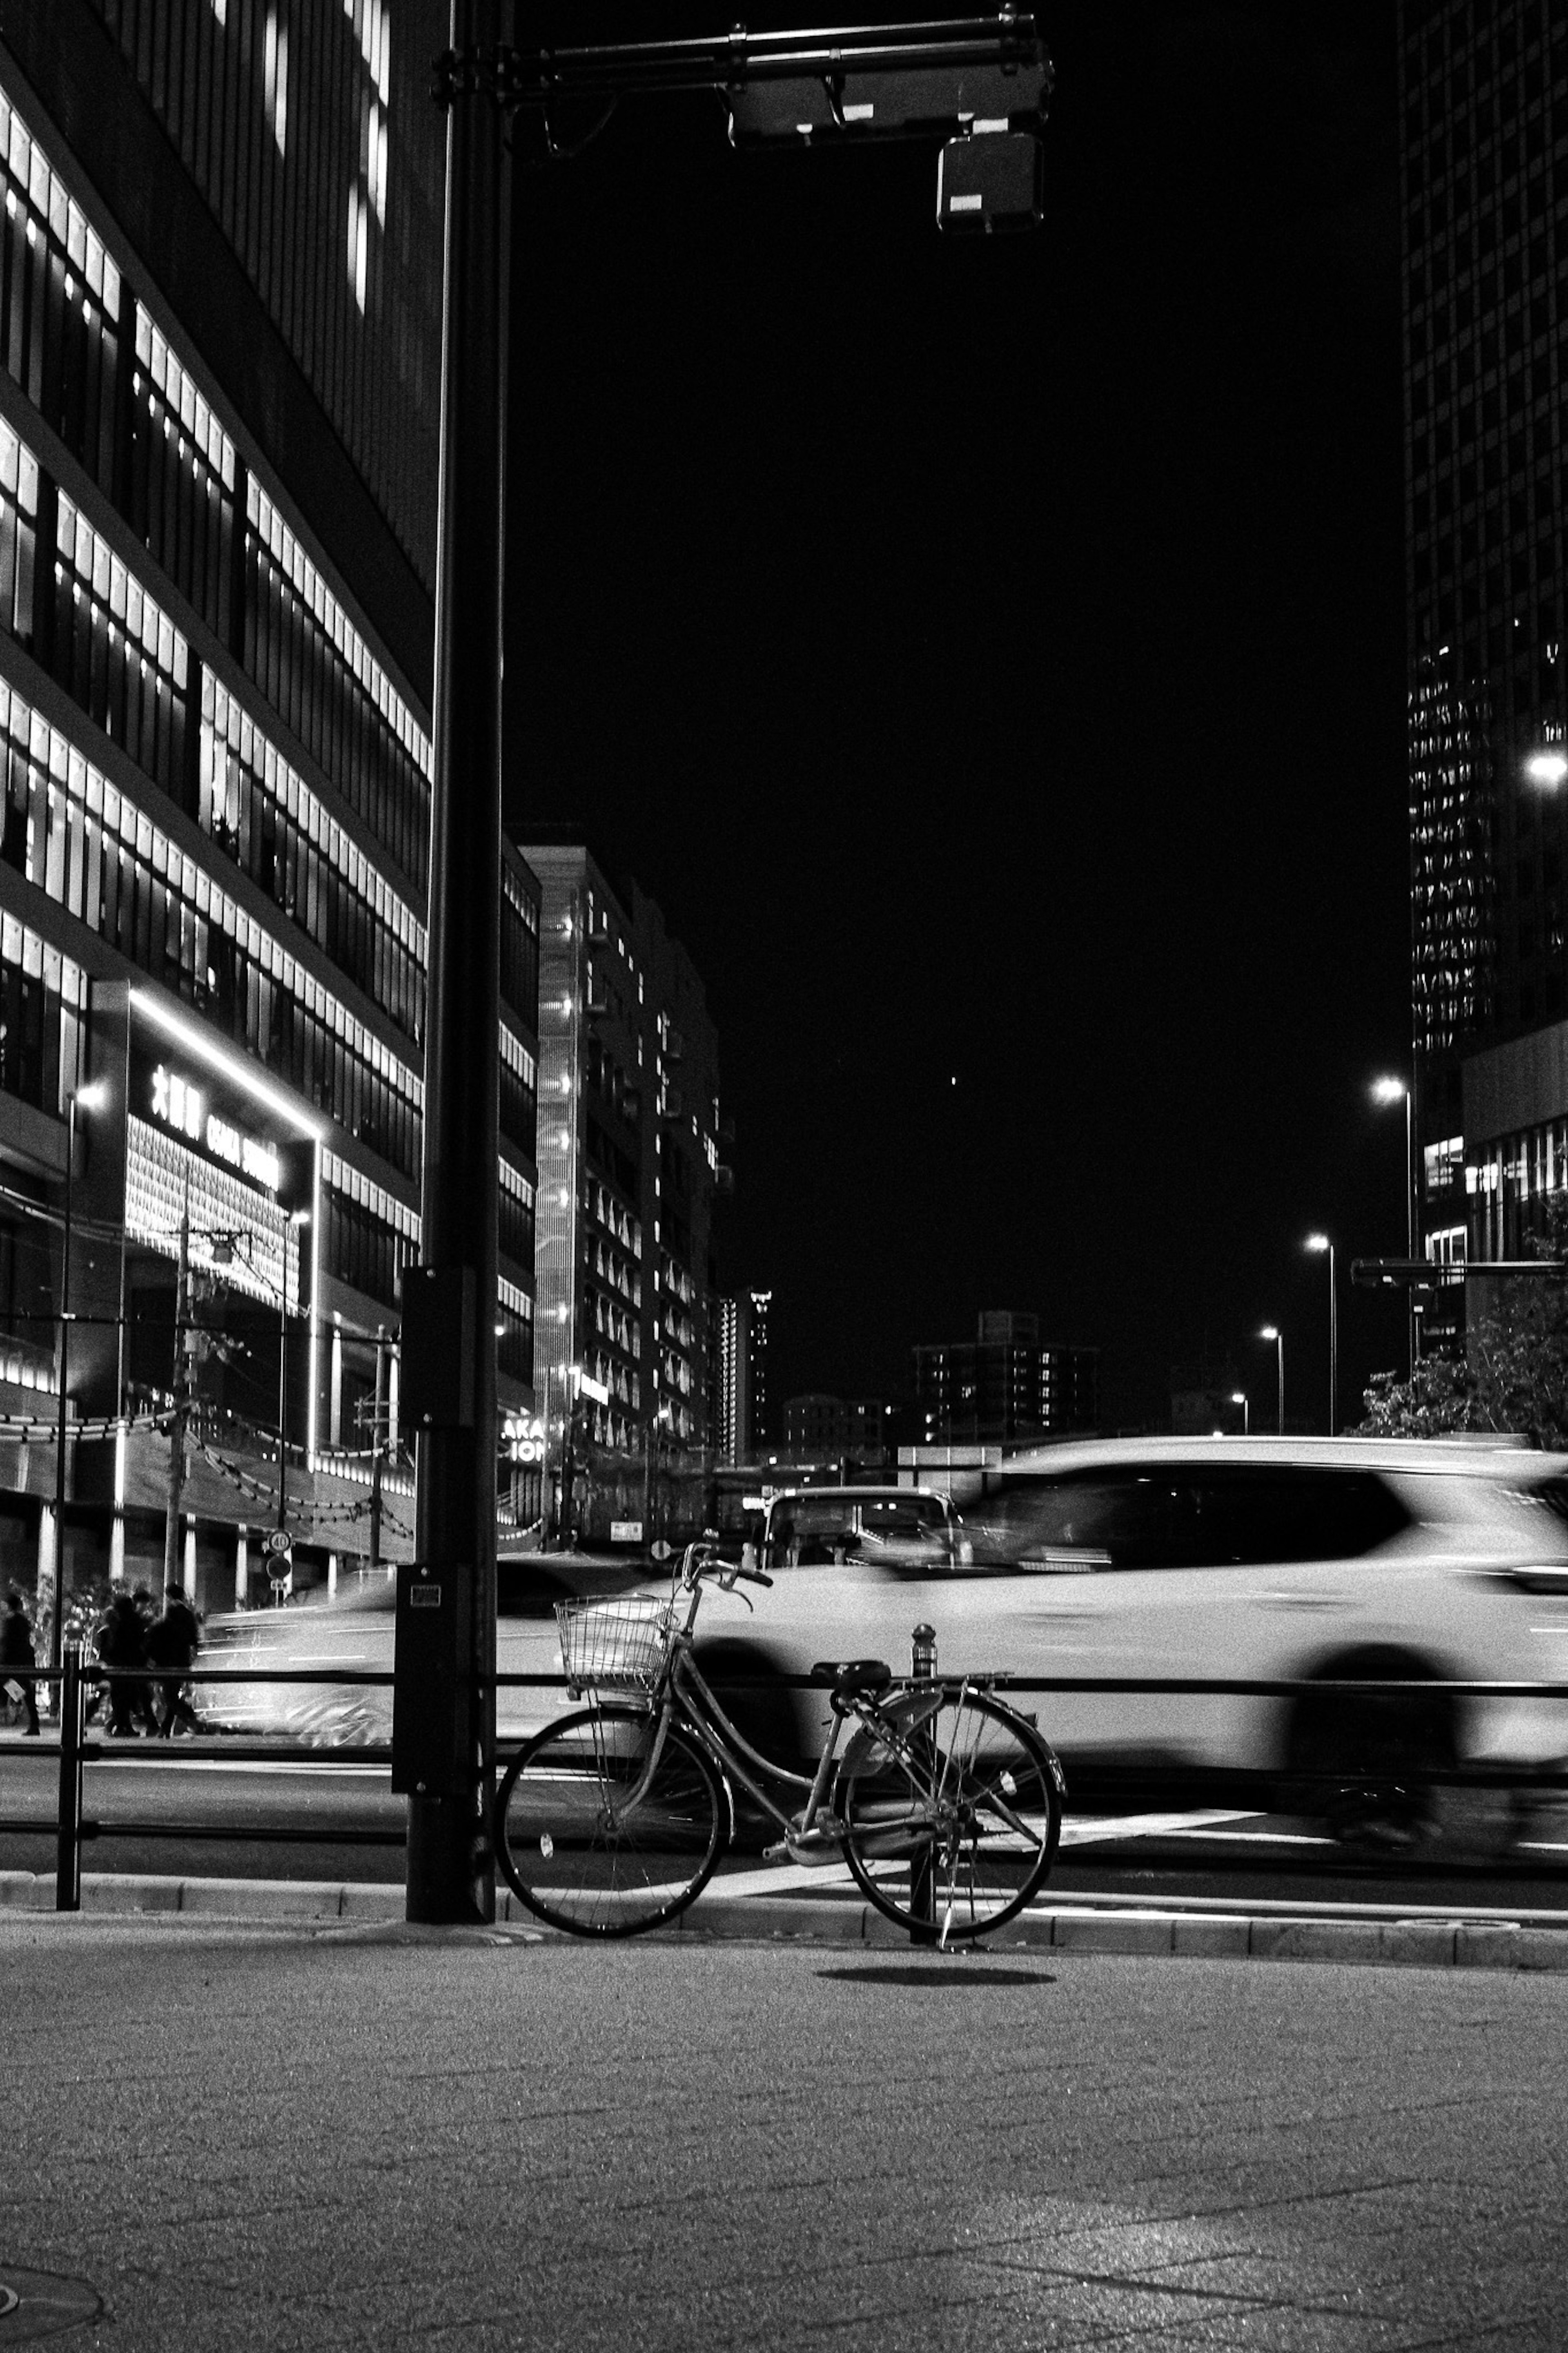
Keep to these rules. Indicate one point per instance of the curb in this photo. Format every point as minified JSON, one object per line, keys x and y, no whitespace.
{"x":1147,"y":1933}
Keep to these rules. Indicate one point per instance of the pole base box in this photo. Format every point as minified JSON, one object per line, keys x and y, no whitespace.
{"x":433,"y":1724}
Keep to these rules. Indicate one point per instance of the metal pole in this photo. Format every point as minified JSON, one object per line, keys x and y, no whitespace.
{"x":67,"y":1833}
{"x":1333,"y":1348}
{"x":1410,"y":1192}
{"x":282,"y":1418}
{"x":1279,"y":1379}
{"x":56,"y":1624}
{"x":182,"y":1391}
{"x":378,"y":1436}
{"x":451,"y":1872}
{"x":922,"y":1875}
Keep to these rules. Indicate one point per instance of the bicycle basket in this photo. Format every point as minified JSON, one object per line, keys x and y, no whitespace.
{"x":619,"y":1644}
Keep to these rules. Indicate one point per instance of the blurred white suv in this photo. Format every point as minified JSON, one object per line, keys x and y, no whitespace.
{"x":1334,"y":1561}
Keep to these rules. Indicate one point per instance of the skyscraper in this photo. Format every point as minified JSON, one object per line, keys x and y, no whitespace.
{"x":733,"y":1387}
{"x":757,"y":1356}
{"x":220,"y":301}
{"x":1484,"y":98}
{"x":628,"y":1163}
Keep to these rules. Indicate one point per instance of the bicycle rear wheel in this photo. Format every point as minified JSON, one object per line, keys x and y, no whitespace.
{"x":592,"y":1842}
{"x":951,"y":1817}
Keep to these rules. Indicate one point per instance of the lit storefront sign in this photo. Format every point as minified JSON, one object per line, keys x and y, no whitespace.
{"x":523,"y":1437}
{"x":180,"y":1104}
{"x":214,"y":1146}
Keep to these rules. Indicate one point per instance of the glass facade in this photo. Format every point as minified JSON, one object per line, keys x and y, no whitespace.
{"x":1484,"y":93}
{"x":310,"y":139}
{"x":214,"y":769}
{"x":628,"y":1161}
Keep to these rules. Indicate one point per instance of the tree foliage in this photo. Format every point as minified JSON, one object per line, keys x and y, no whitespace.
{"x":1514,"y":1374}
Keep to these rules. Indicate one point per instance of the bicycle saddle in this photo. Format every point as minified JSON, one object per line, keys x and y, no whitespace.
{"x":848,"y":1677}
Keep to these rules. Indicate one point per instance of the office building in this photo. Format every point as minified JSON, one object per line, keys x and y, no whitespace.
{"x":220,"y":263}
{"x":1484,"y":95}
{"x":761,"y":1302}
{"x":628,"y":1169}
{"x":831,"y":1429}
{"x":1005,"y":1386}
{"x":731,"y":1415}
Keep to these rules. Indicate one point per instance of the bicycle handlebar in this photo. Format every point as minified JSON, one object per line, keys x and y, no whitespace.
{"x":703,"y":1559}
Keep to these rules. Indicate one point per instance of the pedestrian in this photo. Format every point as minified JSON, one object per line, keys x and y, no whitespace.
{"x":142,"y":1701}
{"x":123,"y":1646}
{"x":16,"y":1651}
{"x":173,"y":1641}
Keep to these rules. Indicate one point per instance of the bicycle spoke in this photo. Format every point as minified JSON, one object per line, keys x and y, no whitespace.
{"x":950,"y":1811}
{"x":609,"y":1822}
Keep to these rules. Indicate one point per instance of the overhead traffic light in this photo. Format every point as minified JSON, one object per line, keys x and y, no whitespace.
{"x":991,"y":180}
{"x":923,"y":102}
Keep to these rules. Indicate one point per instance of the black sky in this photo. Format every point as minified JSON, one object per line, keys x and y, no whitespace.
{"x":991,"y":655}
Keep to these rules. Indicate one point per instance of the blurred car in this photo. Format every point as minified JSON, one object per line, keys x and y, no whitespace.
{"x":1320,"y":1561}
{"x":906,"y":1530}
{"x":354,"y":1631}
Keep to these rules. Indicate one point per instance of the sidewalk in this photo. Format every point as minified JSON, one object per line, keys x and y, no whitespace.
{"x":824,"y":1907}
{"x":271,"y":2139}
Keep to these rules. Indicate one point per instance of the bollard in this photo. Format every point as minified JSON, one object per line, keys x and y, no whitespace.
{"x":68,"y":1846}
{"x":922,"y":1875}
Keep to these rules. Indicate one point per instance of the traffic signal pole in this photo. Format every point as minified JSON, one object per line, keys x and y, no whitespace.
{"x":952,"y":78}
{"x":451,"y":1875}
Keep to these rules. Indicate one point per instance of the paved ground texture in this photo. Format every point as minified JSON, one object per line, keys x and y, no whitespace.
{"x":271,"y":2137}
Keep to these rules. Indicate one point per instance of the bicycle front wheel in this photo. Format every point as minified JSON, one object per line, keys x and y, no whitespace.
{"x":952,"y":1810}
{"x":610,"y":1822}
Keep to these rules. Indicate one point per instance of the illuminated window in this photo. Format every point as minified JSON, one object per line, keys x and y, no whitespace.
{"x":1444,"y":1163}
{"x":275,"y":78}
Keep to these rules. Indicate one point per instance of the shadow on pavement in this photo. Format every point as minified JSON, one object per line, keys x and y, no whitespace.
{"x":953,"y":1972}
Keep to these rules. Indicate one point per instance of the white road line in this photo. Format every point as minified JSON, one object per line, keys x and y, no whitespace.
{"x":1091,"y":1829}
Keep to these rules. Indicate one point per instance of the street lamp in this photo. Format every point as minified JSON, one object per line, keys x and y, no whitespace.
{"x":1272,"y":1332}
{"x":1390,"y":1090}
{"x":1548,"y":766}
{"x":223,"y":1255}
{"x":1318,"y":1243}
{"x":87,"y":1098}
{"x":1238,"y":1396}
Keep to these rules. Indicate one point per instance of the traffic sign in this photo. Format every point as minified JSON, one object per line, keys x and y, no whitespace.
{"x":278,"y":1543}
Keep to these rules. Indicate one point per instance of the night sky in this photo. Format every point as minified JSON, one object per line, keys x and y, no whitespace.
{"x":990,"y":653}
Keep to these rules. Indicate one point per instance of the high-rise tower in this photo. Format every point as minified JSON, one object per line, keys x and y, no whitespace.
{"x":1484,"y":98}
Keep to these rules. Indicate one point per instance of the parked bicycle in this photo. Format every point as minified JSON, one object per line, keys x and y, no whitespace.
{"x":944,"y":1802}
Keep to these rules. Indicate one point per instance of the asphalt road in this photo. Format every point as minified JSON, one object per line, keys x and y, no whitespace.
{"x":251,"y":2140}
{"x":353,"y":1824}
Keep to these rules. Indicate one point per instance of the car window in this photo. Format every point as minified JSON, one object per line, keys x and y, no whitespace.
{"x":1223,"y":1515}
{"x":1084,"y":1520}
{"x":902,"y":1519}
{"x":812,"y":1531}
{"x":1255,"y":1514}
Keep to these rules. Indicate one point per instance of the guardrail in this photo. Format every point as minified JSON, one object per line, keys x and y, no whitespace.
{"x":76,"y":1749}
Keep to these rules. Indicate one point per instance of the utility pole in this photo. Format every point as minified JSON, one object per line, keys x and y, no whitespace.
{"x":181,"y":1397}
{"x":451,"y":1872}
{"x":982,"y":85}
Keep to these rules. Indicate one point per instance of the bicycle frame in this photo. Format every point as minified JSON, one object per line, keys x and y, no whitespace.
{"x":683,"y":1693}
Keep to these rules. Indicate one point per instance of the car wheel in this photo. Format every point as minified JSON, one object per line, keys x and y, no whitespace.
{"x":345,"y":1718}
{"x":1365,"y":1766}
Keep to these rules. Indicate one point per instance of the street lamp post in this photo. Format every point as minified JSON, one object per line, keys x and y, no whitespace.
{"x":1239,"y":1397}
{"x":1318,"y":1243}
{"x":1272,"y":1332}
{"x":223,"y":1253}
{"x":86,"y":1098}
{"x":1388,"y":1091}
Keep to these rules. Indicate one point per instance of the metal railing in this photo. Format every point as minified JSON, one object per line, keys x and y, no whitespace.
{"x":75,"y":1747}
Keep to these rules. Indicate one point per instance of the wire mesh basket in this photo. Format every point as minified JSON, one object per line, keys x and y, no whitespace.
{"x":619,"y":1644}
